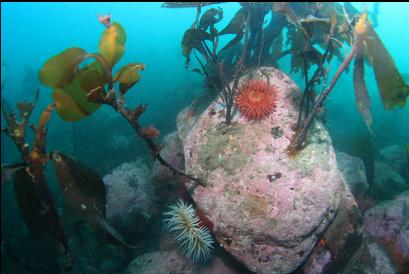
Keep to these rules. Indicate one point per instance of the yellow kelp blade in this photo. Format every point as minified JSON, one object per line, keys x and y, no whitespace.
{"x":67,"y":109}
{"x":112,"y":44}
{"x":59,"y":70}
{"x":392,"y":88}
{"x":128,"y":76}
{"x":71,"y":101}
{"x":91,"y":77}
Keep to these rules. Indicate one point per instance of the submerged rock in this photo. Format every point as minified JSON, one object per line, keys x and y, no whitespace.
{"x":353,"y":170}
{"x":129,"y":197}
{"x":387,"y":181}
{"x":386,"y":239}
{"x":174,"y":262}
{"x":340,"y":240}
{"x":395,"y":157}
{"x":388,"y":224}
{"x":267,"y":210}
{"x":391,"y":172}
{"x":173,"y":154}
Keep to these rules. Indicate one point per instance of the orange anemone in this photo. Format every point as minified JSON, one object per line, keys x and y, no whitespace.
{"x":256,"y":99}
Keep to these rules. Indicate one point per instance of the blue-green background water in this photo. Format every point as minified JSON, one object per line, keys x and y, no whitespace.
{"x":33,"y":32}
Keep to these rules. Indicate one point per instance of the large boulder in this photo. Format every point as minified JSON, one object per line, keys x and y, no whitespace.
{"x":268,"y":210}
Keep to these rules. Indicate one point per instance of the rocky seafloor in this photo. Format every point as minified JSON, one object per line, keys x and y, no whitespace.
{"x":275,"y":214}
{"x":269,"y":213}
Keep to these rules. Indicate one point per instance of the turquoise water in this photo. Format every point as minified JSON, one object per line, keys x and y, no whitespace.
{"x":31,"y":33}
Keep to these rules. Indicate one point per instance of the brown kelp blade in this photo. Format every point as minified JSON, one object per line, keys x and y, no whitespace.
{"x":83,"y":188}
{"x":361,"y":92}
{"x":187,"y":4}
{"x":29,"y":199}
{"x":84,"y":191}
{"x":392,"y":87}
{"x":112,"y":231}
{"x":210,"y":17}
{"x":236,"y":24}
{"x":193,"y":38}
{"x":8,"y":170}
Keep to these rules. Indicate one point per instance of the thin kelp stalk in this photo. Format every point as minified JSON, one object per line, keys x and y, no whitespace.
{"x":230,"y":92}
{"x":35,"y":199}
{"x":304,"y":95}
{"x":299,"y":136}
{"x":131,"y":117}
{"x":98,"y":95}
{"x":307,"y":96}
{"x":300,"y":133}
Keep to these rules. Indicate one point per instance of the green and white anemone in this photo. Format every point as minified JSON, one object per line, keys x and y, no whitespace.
{"x":194,"y":240}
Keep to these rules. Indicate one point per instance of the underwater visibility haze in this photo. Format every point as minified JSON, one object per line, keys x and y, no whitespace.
{"x":201,"y":137}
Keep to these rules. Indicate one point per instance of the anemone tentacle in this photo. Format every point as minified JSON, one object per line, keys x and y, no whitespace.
{"x":195,"y":241}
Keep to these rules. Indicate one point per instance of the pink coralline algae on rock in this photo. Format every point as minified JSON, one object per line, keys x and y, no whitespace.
{"x":130,"y":196}
{"x":268,"y":211}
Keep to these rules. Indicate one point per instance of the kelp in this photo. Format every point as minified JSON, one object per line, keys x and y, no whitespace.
{"x":317,"y":28}
{"x":285,"y":9}
{"x":87,"y":88}
{"x":33,"y":196}
{"x":67,"y":108}
{"x":59,"y":70}
{"x":72,"y":84}
{"x":83,"y":189}
{"x":236,"y":24}
{"x":128,"y":76}
{"x":361,"y":92}
{"x":392,"y":87}
{"x":112,"y":44}
{"x":78,"y":95}
{"x":192,"y":39}
{"x":8,"y":171}
{"x":316,"y":32}
{"x":29,"y":200}
{"x":210,"y":17}
{"x":187,"y":4}
{"x":233,"y":42}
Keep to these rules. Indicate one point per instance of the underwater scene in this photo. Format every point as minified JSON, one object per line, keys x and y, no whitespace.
{"x":205,"y":137}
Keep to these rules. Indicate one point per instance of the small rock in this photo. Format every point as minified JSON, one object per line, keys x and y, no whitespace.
{"x":353,"y":170}
{"x":340,"y":241}
{"x":129,"y":197}
{"x":385,"y":248}
{"x":388,"y":182}
{"x":395,"y":157}
{"x":174,"y":262}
